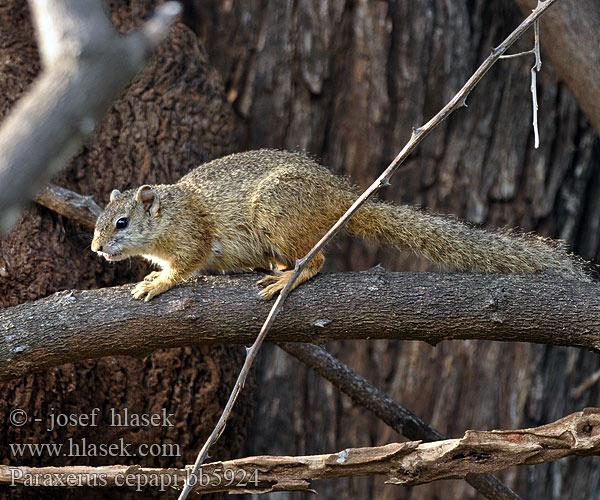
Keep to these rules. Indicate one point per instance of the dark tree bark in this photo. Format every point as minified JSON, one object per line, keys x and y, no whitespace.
{"x":76,"y":325}
{"x":173,"y":117}
{"x":346,"y":80}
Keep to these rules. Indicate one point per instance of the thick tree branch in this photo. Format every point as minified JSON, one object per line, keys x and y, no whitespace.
{"x":86,"y":64}
{"x":406,"y":464}
{"x":75,"y":325}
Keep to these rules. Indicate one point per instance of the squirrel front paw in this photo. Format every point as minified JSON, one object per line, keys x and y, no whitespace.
{"x":147,"y":290}
{"x":152,"y":276}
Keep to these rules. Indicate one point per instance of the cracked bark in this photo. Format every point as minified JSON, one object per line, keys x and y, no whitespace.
{"x":406,"y":464}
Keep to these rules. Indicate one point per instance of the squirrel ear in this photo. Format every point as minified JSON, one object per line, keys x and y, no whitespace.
{"x":114,"y":194}
{"x":148,"y":198}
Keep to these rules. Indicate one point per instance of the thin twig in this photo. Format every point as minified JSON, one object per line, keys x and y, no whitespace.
{"x":534,"y":71}
{"x":239,"y":384}
{"x":395,"y":415}
{"x":417,"y":136}
{"x":518,"y":54}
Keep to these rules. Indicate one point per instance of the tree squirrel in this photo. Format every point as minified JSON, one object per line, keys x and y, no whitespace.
{"x":267,"y":208}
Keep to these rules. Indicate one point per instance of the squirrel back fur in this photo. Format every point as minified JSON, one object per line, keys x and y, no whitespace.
{"x":266,"y":208}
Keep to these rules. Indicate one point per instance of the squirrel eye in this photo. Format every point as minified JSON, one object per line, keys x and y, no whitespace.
{"x":122,"y":223}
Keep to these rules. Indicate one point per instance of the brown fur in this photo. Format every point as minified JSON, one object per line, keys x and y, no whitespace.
{"x":267,"y":208}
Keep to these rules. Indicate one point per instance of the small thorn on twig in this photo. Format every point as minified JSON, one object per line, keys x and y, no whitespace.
{"x":385,"y":182}
{"x":495,"y":51}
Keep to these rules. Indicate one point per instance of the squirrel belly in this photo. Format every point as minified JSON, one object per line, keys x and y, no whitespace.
{"x":267,"y":208}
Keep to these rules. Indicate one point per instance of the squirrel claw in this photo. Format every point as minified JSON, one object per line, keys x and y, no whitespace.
{"x":152,"y":276}
{"x":147,"y":290}
{"x":267,"y":280}
{"x":270,"y":291}
{"x":273,"y":284}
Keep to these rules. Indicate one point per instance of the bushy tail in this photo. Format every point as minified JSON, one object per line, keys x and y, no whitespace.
{"x":462,"y":246}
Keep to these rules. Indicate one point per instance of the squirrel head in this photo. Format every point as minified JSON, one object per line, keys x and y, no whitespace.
{"x":129,"y":224}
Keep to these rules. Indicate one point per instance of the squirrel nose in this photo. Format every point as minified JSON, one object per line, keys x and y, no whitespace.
{"x":96,"y":247}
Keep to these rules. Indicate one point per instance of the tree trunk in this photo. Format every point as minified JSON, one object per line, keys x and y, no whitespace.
{"x":346,"y":81}
{"x":173,"y":117}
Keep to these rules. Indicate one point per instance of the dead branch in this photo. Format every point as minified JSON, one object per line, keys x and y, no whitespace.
{"x":81,"y":209}
{"x":86,"y":64}
{"x":536,"y":68}
{"x":431,"y":307}
{"x":404,"y":464}
{"x":386,"y":409}
{"x":418,"y":134}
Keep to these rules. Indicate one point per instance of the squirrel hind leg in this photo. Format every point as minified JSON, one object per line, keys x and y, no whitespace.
{"x":274,"y":283}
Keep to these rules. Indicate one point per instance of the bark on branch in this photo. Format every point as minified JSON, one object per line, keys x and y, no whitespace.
{"x":409,"y":463}
{"x":75,"y":325}
{"x":86,"y":64}
{"x":81,"y":209}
